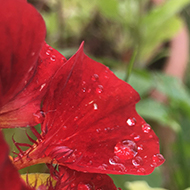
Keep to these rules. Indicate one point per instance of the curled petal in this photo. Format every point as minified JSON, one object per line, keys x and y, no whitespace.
{"x":22,"y":35}
{"x":91,"y":123}
{"x":9,"y":176}
{"x":24,"y":109}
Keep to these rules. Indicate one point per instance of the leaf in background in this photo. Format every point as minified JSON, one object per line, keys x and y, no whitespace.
{"x":141,"y":81}
{"x":160,"y":24}
{"x":175,"y":90}
{"x":109,"y":8}
{"x":153,"y":36}
{"x":156,"y":111}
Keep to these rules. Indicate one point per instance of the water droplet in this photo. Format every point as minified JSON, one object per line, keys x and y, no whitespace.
{"x":83,"y":83}
{"x":53,"y":57}
{"x":50,"y":48}
{"x":42,"y":86}
{"x":157,"y":159}
{"x":98,"y":130}
{"x":113,"y":162}
{"x":131,"y":122}
{"x":141,"y":171}
{"x":137,"y":161}
{"x":107,"y":129}
{"x":82,"y":186}
{"x":64,"y":127}
{"x":95,"y":77}
{"x":103,"y":167}
{"x":39,"y":116}
{"x":89,"y":90}
{"x":84,"y":89}
{"x":137,"y":138}
{"x":125,"y":149}
{"x":76,"y":118}
{"x":99,"y":89}
{"x":150,"y":136}
{"x":140,"y":147}
{"x":33,"y":53}
{"x":95,"y":106}
{"x":146,"y":128}
{"x":73,"y":184}
{"x":48,"y":52}
{"x":89,"y":163}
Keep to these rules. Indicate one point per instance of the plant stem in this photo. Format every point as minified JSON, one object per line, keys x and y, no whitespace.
{"x":131,"y":63}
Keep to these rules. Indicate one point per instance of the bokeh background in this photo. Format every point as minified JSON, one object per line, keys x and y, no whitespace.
{"x":155,"y":35}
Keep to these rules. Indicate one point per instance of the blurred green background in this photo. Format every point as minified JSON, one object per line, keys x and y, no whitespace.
{"x":116,"y":30}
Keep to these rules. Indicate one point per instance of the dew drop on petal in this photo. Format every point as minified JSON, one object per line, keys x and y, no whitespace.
{"x":99,"y":89}
{"x":48,"y":52}
{"x":125,"y":149}
{"x":95,"y":77}
{"x":42,"y":86}
{"x":140,"y":147}
{"x":89,"y":90}
{"x":137,"y":161}
{"x":103,"y":167}
{"x":84,"y":89}
{"x":131,"y":122}
{"x":95,"y":106}
{"x":39,"y":116}
{"x":146,"y":128}
{"x":83,"y":83}
{"x":150,"y":136}
{"x":73,"y":185}
{"x":33,"y":53}
{"x":64,"y":127}
{"x":53,"y":57}
{"x":89,"y":163}
{"x":137,"y":138}
{"x":157,"y":159}
{"x":50,"y":48}
{"x":76,"y":118}
{"x":141,"y":171}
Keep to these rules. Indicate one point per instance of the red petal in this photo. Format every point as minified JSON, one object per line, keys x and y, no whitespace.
{"x":74,"y":180}
{"x":22,"y":35}
{"x":24,"y":108}
{"x":91,"y":123}
{"x":9,"y":177}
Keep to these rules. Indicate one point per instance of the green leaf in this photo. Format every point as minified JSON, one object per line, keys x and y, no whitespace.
{"x":153,"y":36}
{"x":109,"y":8}
{"x":175,"y":90}
{"x":160,"y":24}
{"x":141,"y":81}
{"x":158,"y":112}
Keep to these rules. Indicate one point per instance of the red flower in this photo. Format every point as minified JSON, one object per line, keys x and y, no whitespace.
{"x":9,"y":177}
{"x":89,"y":123}
{"x":24,"y":78}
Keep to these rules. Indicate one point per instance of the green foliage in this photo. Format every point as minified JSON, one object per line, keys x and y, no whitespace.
{"x":158,"y":25}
